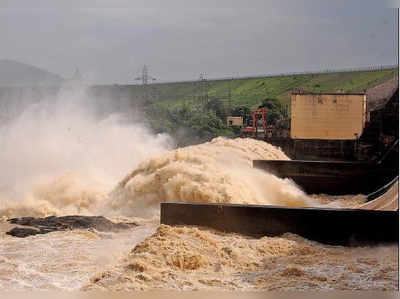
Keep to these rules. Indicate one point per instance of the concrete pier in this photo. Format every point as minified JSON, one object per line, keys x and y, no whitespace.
{"x":335,"y":178}
{"x":348,"y":227}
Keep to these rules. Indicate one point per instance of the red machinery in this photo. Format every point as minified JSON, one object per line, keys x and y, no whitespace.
{"x":257,"y":115}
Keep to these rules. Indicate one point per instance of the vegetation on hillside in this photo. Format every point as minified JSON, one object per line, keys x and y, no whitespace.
{"x":189,"y":124}
{"x":180,"y":109}
{"x":251,"y":92}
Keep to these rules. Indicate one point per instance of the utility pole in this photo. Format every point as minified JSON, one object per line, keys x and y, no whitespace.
{"x":145,"y":78}
{"x":203,"y":90}
{"x":77,"y":75}
{"x":230,"y":95}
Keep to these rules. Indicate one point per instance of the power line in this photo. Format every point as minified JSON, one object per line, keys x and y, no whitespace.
{"x":269,"y":75}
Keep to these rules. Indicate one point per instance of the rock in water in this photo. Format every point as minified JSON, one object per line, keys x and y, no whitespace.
{"x":23,"y":232}
{"x":53,"y":223}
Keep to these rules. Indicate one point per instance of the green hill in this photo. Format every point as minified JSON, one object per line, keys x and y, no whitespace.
{"x":251,"y":92}
{"x":181,"y":109}
{"x":14,"y":73}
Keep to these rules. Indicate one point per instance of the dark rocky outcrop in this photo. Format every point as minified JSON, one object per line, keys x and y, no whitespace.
{"x":53,"y":223}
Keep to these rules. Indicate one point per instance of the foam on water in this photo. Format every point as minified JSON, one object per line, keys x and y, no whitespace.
{"x":219,"y":171}
{"x":189,"y":258}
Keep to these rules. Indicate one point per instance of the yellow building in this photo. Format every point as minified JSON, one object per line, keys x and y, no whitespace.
{"x":234,"y":121}
{"x":327,"y":116}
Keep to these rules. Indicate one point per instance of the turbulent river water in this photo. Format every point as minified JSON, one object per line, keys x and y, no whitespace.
{"x":59,"y":159}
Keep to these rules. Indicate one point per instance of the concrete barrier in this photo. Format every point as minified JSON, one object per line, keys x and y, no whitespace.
{"x":335,"y":178}
{"x":347,"y":227}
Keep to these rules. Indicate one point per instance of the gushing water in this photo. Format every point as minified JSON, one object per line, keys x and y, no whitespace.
{"x":59,"y":157}
{"x":219,"y":171}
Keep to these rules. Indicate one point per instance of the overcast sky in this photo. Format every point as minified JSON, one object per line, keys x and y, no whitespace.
{"x":178,"y":40}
